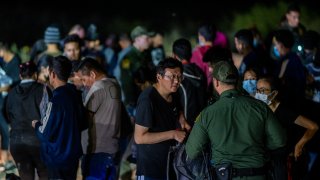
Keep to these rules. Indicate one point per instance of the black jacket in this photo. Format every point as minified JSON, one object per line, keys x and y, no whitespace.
{"x":22,"y":107}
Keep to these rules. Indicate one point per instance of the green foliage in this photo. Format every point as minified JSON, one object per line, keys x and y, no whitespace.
{"x":23,"y":52}
{"x":267,"y":18}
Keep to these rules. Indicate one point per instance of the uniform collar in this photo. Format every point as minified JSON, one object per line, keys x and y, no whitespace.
{"x":229,"y":93}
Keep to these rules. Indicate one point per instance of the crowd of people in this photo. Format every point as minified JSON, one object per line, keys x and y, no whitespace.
{"x":113,"y":110}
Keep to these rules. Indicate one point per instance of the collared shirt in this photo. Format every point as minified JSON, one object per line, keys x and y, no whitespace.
{"x":103,"y":102}
{"x":26,"y":81}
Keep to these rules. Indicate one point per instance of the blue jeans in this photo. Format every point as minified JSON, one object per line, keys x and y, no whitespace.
{"x":147,"y":178}
{"x":98,"y":166}
{"x":4,"y":129}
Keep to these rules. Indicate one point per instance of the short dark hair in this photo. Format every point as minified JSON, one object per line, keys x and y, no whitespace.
{"x":182,"y":48}
{"x":89,"y":64}
{"x":75,"y":66}
{"x":285,"y":37}
{"x":27,"y":69}
{"x":44,"y":61}
{"x":208,"y":31}
{"x":245,"y":36}
{"x":216,"y":54}
{"x":61,"y":66}
{"x":293,"y":7}
{"x":168,"y":62}
{"x":269,"y":79}
{"x":124,"y":36}
{"x":72,"y":38}
{"x":4,"y":46}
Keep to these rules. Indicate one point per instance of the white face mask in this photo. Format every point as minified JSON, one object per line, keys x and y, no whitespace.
{"x":263,"y":98}
{"x":201,"y":43}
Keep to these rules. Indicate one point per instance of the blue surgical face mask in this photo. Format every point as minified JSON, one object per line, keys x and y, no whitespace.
{"x":201,"y":43}
{"x":266,"y":98}
{"x":262,"y":97}
{"x":250,"y":85}
{"x":276,"y":52}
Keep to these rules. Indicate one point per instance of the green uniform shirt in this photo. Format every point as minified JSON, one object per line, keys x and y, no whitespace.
{"x":129,"y":65}
{"x":239,"y":129}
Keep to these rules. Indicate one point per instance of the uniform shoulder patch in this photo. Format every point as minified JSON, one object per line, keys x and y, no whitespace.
{"x":125,"y":64}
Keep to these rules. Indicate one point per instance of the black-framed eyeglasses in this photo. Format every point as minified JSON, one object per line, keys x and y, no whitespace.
{"x":174,"y":76}
{"x":263,"y":90}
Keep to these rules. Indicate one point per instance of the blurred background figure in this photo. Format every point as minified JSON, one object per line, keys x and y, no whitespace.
{"x":206,"y":36}
{"x":79,"y":30}
{"x":52,"y":41}
{"x":72,"y":47}
{"x":243,"y":40}
{"x":110,"y":52}
{"x":37,"y":48}
{"x":125,"y":44}
{"x":313,"y":85}
{"x":310,"y":43}
{"x":289,"y":71}
{"x":9,"y":77}
{"x":291,"y":22}
{"x":221,"y":40}
{"x":157,"y":49}
{"x":93,"y":46}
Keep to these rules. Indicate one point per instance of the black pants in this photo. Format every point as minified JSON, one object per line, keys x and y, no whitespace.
{"x":65,"y":173}
{"x":27,"y":158}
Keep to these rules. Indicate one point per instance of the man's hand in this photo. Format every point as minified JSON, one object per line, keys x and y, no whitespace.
{"x":183,"y":123}
{"x":179,"y":135}
{"x":34,"y":123}
{"x":298,"y":150}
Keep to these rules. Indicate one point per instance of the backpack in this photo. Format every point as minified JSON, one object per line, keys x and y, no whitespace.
{"x":195,"y":169}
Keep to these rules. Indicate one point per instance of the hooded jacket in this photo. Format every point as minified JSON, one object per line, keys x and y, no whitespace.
{"x":22,"y":107}
{"x":193,"y":91}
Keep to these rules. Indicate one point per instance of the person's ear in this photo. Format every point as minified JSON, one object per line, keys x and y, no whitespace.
{"x":215,"y":82}
{"x":52,"y":74}
{"x":93,"y":74}
{"x":158,"y":77}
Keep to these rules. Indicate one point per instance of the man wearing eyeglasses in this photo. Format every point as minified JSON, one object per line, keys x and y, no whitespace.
{"x":159,"y":121}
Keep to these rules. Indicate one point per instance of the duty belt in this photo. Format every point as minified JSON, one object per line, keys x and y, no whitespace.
{"x":248,"y":171}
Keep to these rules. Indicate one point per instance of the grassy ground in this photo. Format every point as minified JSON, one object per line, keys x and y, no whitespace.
{"x":11,"y":171}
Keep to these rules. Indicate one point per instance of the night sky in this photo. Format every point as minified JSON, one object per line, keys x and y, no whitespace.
{"x":23,"y":22}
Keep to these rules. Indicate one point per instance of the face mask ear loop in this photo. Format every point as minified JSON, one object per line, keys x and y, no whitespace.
{"x":273,"y":96}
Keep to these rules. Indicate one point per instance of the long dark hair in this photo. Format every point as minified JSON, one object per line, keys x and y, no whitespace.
{"x":27,"y":69}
